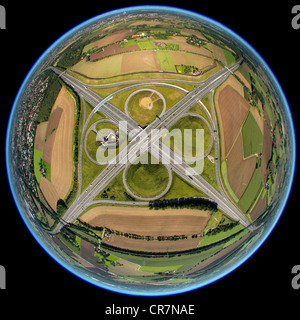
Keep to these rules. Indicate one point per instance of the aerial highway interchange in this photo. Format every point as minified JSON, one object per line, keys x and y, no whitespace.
{"x":143,"y":139}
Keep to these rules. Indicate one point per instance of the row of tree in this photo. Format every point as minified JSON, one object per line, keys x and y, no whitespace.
{"x":190,"y":203}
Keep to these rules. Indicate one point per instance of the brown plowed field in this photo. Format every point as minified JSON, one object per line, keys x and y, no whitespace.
{"x":39,"y":138}
{"x":140,"y":61}
{"x":258,"y":208}
{"x":145,"y":222}
{"x":48,"y":147}
{"x":152,"y":245}
{"x":114,"y":37}
{"x":113,"y":49}
{"x":49,"y":192}
{"x":239,"y":171}
{"x":232,"y":109}
{"x":247,"y":84}
{"x":195,"y":32}
{"x":53,"y":121}
{"x":187,"y":58}
{"x":217,"y":52}
{"x":62,"y":152}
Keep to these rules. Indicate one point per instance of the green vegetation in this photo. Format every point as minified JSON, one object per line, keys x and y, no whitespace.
{"x":187,"y":259}
{"x":230,"y":59}
{"x":92,"y":144}
{"x":193,"y":123}
{"x":147,"y":180}
{"x":105,"y":258}
{"x":226,"y":182}
{"x":166,"y":61}
{"x":146,"y":44}
{"x":54,"y":86}
{"x":144,"y":106}
{"x":214,"y":220}
{"x":41,"y":168}
{"x":73,"y":53}
{"x":181,"y":189}
{"x":221,"y":232}
{"x":157,"y":269}
{"x":115,"y":190}
{"x":184,"y":69}
{"x":61,"y":207}
{"x":252,"y":136}
{"x":253,"y":189}
{"x":190,"y":203}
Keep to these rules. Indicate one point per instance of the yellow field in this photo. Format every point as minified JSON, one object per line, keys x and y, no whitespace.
{"x":62,"y":151}
{"x":191,"y":59}
{"x":107,"y":67}
{"x":39,"y":139}
{"x":146,"y":222}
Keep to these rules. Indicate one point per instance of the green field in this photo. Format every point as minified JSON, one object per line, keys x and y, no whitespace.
{"x":230,"y":59}
{"x":143,"y":115}
{"x":166,"y":61}
{"x":192,"y":123}
{"x":159,"y":269}
{"x":147,"y":180}
{"x":226,"y":182}
{"x":181,"y":189}
{"x":37,"y":163}
{"x":251,"y":193}
{"x":92,"y":145}
{"x":252,"y":137}
{"x":107,"y":67}
{"x":213,"y":238}
{"x":146,"y":44}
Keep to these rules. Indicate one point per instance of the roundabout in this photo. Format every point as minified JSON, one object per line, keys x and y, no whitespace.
{"x":192,"y":152}
{"x":144,"y":105}
{"x":103,"y":133}
{"x":147,"y":181}
{"x":93,"y":216}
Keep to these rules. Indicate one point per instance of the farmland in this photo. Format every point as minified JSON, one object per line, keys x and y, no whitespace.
{"x":53,"y":155}
{"x":155,"y":221}
{"x":232,"y":109}
{"x":252,"y":137}
{"x":145,"y":222}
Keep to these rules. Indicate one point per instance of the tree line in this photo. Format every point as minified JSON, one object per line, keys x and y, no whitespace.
{"x":189,"y":203}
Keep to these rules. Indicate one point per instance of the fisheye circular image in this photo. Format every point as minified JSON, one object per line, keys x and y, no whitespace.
{"x":150,"y":151}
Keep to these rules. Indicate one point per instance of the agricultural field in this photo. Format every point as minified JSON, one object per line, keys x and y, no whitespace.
{"x":142,"y":245}
{"x":252,"y":137}
{"x":232,"y":109}
{"x":53,"y":159}
{"x":155,"y":222}
{"x":247,"y":146}
{"x":145,"y":222}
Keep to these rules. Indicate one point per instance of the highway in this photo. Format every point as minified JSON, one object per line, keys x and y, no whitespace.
{"x":141,"y":143}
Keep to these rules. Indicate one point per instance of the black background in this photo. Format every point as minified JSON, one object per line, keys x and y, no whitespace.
{"x":36,"y":283}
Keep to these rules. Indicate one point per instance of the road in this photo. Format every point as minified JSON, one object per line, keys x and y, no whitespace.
{"x":141,"y":143}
